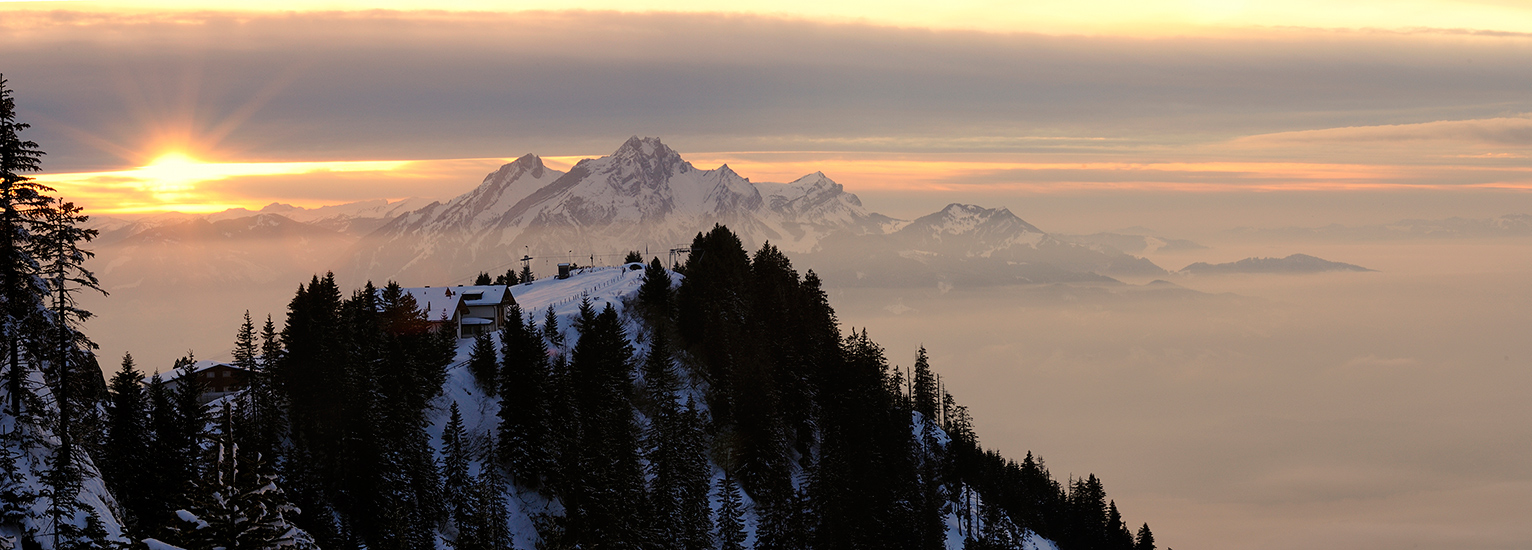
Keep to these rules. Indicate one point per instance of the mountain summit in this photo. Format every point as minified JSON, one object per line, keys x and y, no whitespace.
{"x":643,"y":195}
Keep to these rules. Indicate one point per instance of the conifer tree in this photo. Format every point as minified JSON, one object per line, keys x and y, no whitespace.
{"x":63,"y":266}
{"x":654,"y":292}
{"x":22,"y":288}
{"x":1145,"y":539}
{"x":126,"y":452}
{"x":525,"y":443}
{"x":455,"y":480}
{"x":245,"y":347}
{"x":191,"y":418}
{"x":16,"y":495}
{"x":484,"y":365}
{"x":260,"y":410}
{"x":271,"y":345}
{"x":1117,"y":534}
{"x":663,"y":442}
{"x":526,"y":274}
{"x":731,"y":515}
{"x":693,"y":494}
{"x":483,"y":279}
{"x":236,"y":503}
{"x":924,"y":384}
{"x":607,"y":503}
{"x":551,"y":331}
{"x":491,"y":489}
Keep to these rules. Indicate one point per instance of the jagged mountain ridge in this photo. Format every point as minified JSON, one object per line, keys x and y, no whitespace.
{"x":968,"y":245}
{"x":643,"y":195}
{"x":646,"y":196}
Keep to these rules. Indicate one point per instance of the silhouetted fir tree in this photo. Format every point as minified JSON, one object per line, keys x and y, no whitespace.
{"x":776,"y":416}
{"x":176,"y":424}
{"x":94,"y":535}
{"x":190,"y":416}
{"x":260,"y":415}
{"x":563,"y":431}
{"x":483,"y":526}
{"x":125,"y":457}
{"x":711,"y":309}
{"x":551,"y":330}
{"x":246,"y":350}
{"x":524,"y":442}
{"x":924,"y":396}
{"x":526,"y":274}
{"x":62,"y":259}
{"x":996,"y":531}
{"x":695,"y":486}
{"x":16,"y":495}
{"x":1145,"y":539}
{"x":455,"y":478}
{"x":664,"y":443}
{"x":23,"y":291}
{"x":1118,"y":537}
{"x":731,"y":515}
{"x":165,"y":472}
{"x":237,"y":503}
{"x":271,"y":345}
{"x":1085,"y":522}
{"x":483,"y":279}
{"x":507,"y":278}
{"x":358,"y":376}
{"x":655,"y":293}
{"x":865,"y":483}
{"x":607,"y":503}
{"x":632,"y":257}
{"x":484,"y":365}
{"x":931,"y":526}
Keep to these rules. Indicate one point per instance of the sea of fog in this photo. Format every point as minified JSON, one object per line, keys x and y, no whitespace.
{"x":1340,"y":410}
{"x":1343,"y":410}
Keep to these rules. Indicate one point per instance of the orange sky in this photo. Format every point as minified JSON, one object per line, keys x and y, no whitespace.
{"x":172,"y":148}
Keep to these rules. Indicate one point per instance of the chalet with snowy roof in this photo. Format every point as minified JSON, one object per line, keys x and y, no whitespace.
{"x":218,"y":379}
{"x":466,"y":310}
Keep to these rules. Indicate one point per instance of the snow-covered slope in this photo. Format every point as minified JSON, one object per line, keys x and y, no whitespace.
{"x":617,"y":286}
{"x":643,"y":195}
{"x":33,"y":451}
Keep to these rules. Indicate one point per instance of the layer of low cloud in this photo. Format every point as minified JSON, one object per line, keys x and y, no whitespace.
{"x":104,"y":90}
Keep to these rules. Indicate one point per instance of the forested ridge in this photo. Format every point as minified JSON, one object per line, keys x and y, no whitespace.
{"x":719,"y":405}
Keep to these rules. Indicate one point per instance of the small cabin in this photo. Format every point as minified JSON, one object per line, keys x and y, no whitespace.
{"x":466,"y":310}
{"x":564,"y":270}
{"x":218,"y":379}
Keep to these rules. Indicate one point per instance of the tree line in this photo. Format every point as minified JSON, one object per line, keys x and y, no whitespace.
{"x":669,"y":424}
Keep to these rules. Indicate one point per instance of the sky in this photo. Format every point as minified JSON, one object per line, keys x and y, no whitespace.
{"x":147,"y":107}
{"x":1327,"y":412}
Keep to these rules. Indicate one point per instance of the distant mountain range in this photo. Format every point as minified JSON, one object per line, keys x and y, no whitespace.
{"x":1509,"y":225}
{"x":1296,"y":263}
{"x":644,"y":196}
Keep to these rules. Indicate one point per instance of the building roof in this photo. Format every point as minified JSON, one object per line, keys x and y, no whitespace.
{"x":488,"y":295}
{"x":436,"y":302}
{"x":197,"y":367}
{"x":439,"y":302}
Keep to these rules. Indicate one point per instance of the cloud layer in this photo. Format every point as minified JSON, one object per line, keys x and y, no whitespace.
{"x":106,"y":90}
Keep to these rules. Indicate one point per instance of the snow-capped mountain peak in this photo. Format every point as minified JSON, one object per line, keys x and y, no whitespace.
{"x":643,"y":195}
{"x":959,"y":219}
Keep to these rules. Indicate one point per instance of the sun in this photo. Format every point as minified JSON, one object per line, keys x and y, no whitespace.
{"x":173,"y":158}
{"x":175,"y":172}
